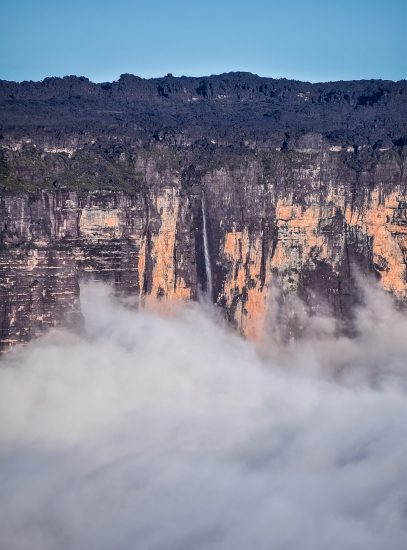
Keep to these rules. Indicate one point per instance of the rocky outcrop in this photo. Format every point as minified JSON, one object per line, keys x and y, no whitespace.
{"x":229,"y":109}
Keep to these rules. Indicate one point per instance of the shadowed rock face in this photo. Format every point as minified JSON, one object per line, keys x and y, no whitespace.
{"x":288,"y":211}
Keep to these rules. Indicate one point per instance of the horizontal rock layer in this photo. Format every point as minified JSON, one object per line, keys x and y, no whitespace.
{"x":234,"y":109}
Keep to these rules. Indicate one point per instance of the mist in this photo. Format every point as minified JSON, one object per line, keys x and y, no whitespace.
{"x":173,"y":433}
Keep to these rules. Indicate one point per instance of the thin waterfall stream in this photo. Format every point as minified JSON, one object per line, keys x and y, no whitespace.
{"x":208,"y":269}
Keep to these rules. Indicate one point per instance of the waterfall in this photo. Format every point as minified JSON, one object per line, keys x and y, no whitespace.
{"x":208,"y":269}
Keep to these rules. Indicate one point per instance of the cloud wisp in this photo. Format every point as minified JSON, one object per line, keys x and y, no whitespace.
{"x":174,"y":433}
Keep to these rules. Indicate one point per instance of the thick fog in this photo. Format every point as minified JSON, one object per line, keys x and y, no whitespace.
{"x":173,"y":433}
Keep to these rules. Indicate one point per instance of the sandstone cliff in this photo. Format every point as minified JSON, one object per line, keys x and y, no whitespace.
{"x":298,"y":214}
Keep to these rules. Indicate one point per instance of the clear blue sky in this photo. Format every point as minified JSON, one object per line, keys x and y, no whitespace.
{"x":316,"y":40}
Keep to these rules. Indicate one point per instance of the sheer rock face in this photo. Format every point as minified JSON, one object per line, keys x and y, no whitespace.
{"x":298,"y":223}
{"x":304,"y":187}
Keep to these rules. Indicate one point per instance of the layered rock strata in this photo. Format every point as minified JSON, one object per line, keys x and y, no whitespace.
{"x":245,"y":191}
{"x":277,"y":223}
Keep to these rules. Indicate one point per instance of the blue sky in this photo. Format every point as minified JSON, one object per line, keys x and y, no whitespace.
{"x":308,"y":40}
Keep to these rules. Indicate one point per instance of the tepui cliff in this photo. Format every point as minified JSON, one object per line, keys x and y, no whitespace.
{"x":243,"y":189}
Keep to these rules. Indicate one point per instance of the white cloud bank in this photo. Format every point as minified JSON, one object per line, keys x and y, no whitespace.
{"x":153,"y":433}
